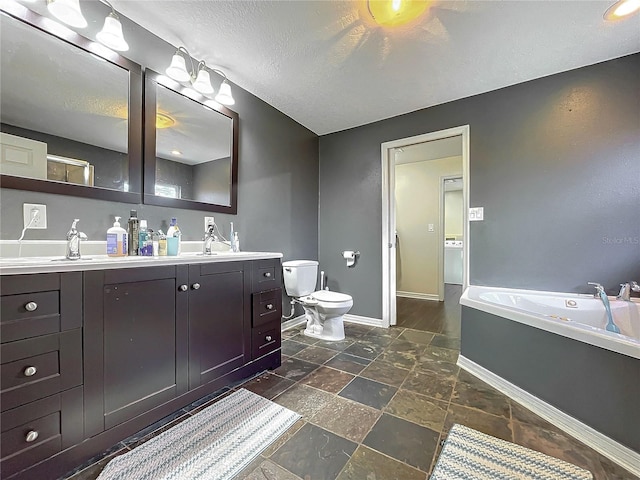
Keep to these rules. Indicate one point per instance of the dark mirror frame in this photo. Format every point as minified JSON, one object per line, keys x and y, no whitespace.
{"x":134,"y":125}
{"x":149,"y":197}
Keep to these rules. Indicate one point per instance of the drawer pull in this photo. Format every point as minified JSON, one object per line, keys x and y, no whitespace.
{"x":195,"y":286}
{"x":269,"y":306}
{"x":267,"y":274}
{"x":268,"y":338}
{"x":30,"y":371}
{"x":31,"y":307}
{"x":31,"y":436}
{"x":183,"y":288}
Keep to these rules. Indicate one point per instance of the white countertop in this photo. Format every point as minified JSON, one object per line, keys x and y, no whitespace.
{"x":29,"y":265}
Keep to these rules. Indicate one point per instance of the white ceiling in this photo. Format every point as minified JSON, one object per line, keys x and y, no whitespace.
{"x":328,"y":66}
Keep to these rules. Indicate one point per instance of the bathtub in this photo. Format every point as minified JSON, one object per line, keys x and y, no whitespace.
{"x":577,"y":316}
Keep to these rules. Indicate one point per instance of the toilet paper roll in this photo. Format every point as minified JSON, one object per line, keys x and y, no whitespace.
{"x":350,"y":257}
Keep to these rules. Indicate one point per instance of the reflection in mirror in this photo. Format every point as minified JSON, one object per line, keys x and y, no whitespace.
{"x":64,"y":112}
{"x":191,"y":149}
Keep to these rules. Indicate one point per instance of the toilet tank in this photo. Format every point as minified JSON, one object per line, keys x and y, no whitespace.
{"x":300,"y":277}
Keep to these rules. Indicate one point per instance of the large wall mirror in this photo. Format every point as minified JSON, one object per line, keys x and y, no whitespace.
{"x":71,"y":120}
{"x":191,"y":149}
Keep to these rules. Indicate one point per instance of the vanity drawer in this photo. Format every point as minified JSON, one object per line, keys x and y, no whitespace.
{"x":266,"y":275}
{"x":39,"y":304}
{"x":40,"y":429}
{"x":266,"y":307}
{"x":265,"y":339}
{"x":29,"y":315}
{"x":38,"y":367}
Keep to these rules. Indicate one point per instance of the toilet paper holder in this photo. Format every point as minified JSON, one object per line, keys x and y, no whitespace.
{"x":350,"y":256}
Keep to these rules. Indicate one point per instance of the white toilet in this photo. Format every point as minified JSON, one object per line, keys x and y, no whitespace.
{"x":323,"y":309}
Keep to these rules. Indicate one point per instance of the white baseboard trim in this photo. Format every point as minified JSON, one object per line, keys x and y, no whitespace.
{"x":375,"y":322}
{"x":293,"y":323}
{"x":618,"y":453}
{"x":421,"y":296}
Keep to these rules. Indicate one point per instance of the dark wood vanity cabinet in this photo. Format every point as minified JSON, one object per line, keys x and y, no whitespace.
{"x":41,"y":367}
{"x":218,"y":319}
{"x":135,"y":336}
{"x":154,"y":340}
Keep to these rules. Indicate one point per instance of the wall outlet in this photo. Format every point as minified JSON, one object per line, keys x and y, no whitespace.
{"x":432,"y":227}
{"x":208,"y":221}
{"x":40,"y":221}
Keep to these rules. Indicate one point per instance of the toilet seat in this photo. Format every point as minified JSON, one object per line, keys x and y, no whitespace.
{"x":331,"y":297}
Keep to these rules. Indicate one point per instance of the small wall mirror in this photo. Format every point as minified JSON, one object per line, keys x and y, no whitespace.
{"x":190,"y":149}
{"x":70,"y":118}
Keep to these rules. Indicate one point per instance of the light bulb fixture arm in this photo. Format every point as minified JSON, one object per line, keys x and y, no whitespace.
{"x":193,"y":71}
{"x":113,"y":10}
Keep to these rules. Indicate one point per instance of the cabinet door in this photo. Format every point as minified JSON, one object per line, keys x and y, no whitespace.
{"x":135,"y":339}
{"x":219,"y":326}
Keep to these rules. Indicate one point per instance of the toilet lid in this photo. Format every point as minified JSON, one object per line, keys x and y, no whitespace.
{"x":329,"y":296}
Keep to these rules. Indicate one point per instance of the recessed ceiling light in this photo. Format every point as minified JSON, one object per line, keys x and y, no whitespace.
{"x":393,"y":13}
{"x":176,"y":152}
{"x":621,"y":9}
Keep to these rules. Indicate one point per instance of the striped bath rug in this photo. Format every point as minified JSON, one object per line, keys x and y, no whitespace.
{"x":214,"y":444}
{"x":470,"y":455}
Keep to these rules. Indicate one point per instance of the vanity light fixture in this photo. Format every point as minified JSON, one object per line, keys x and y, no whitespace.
{"x":111,"y":34}
{"x":621,"y":9}
{"x":199,"y":76}
{"x":67,"y":11}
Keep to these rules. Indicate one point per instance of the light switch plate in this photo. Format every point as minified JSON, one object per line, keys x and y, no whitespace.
{"x":431,"y":227}
{"x":476,"y":214}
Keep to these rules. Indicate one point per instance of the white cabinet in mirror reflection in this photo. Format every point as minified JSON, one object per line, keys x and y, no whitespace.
{"x":23,"y":157}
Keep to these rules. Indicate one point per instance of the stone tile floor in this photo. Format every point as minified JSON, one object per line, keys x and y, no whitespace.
{"x":375,"y":406}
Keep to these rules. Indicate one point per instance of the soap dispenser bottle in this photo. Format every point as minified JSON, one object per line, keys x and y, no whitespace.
{"x":117,"y":240}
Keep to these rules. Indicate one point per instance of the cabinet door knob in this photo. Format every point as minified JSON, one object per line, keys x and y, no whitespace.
{"x":31,"y":436}
{"x":195,"y":286}
{"x":31,"y":307}
{"x":269,"y":306}
{"x":183,"y":288}
{"x":268,"y":338}
{"x":267,"y":274}
{"x":30,"y":371}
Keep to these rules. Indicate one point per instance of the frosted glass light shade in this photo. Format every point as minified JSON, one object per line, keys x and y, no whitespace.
{"x":224,"y":95}
{"x":178,"y":69}
{"x":203,"y":83}
{"x":111,"y":34}
{"x":67,"y":11}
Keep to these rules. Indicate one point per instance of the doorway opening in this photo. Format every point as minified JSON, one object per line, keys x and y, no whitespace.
{"x":424,"y":226}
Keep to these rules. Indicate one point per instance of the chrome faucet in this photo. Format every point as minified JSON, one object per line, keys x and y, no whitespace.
{"x":626,"y":289}
{"x":602,"y":295}
{"x":209,"y":237}
{"x":73,"y":241}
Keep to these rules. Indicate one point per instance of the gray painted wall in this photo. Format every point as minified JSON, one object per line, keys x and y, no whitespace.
{"x":554,"y":162}
{"x":278,"y":177}
{"x":596,"y":386}
{"x":169,"y":172}
{"x":212,"y":181}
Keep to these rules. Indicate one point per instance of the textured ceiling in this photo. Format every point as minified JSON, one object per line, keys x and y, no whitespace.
{"x":329,"y":67}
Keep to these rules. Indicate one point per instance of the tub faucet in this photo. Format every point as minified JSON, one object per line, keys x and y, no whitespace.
{"x":602,"y":295}
{"x":626,"y":289}
{"x":209,"y":237}
{"x":73,"y":241}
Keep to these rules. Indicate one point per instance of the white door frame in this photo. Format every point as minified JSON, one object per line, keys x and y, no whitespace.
{"x":389,"y":213}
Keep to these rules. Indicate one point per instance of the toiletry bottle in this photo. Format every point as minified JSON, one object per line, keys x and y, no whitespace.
{"x":155,"y":236}
{"x":134,"y":226}
{"x":174,"y":231}
{"x":162,"y":244}
{"x":232,"y":238}
{"x":145,"y":241}
{"x":236,"y":242}
{"x":117,"y":240}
